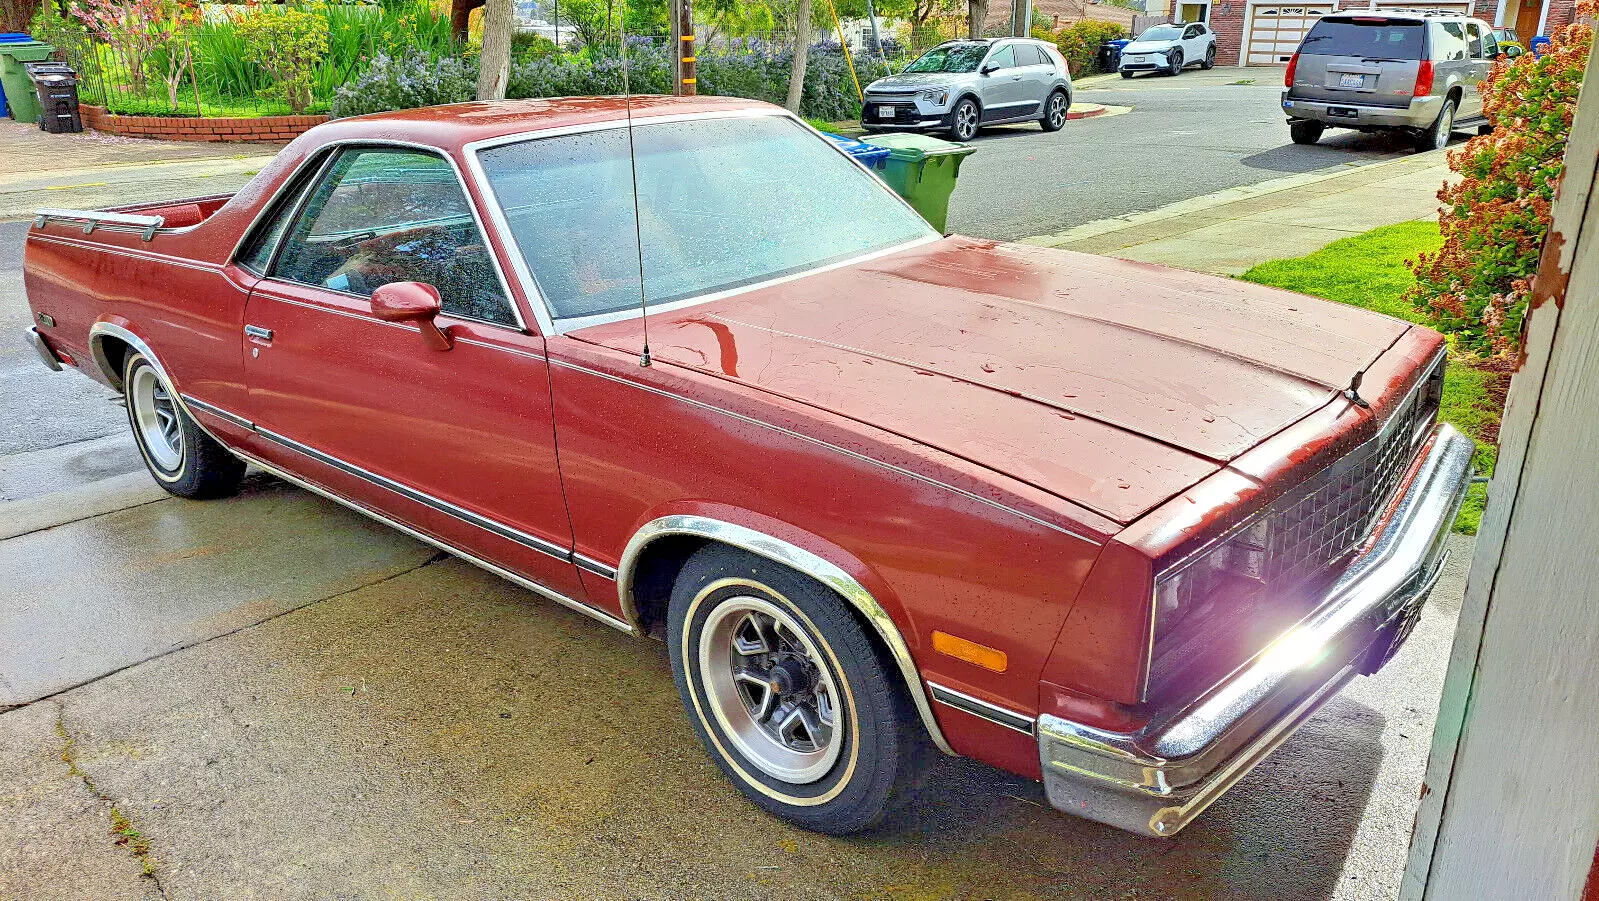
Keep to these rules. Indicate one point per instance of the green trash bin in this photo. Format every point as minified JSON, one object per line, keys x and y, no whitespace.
{"x":922,"y":169}
{"x":20,"y":92}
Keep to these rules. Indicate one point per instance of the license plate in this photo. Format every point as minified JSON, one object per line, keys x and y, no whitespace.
{"x":1351,"y":80}
{"x":886,"y":112}
{"x":1343,"y":111}
{"x":1140,"y":59}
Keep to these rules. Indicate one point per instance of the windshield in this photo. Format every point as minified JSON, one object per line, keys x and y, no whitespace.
{"x":950,"y":58}
{"x":1374,"y":38}
{"x":722,"y":203}
{"x":1162,"y":33}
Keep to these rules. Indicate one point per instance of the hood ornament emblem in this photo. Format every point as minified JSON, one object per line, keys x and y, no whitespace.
{"x":1353,"y":391}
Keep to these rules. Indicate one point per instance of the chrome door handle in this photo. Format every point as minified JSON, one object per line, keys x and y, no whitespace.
{"x":256,"y":331}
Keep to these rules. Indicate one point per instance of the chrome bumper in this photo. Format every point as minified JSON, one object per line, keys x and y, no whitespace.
{"x":45,"y":354}
{"x":1422,"y":112}
{"x":1157,"y":780}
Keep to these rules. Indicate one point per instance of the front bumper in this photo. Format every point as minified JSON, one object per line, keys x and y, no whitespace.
{"x":1421,"y":113}
{"x":1149,"y":62}
{"x":1157,"y":780}
{"x":908,"y":115}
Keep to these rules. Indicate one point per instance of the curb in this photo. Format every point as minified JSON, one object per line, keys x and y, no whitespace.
{"x":1370,"y":173}
{"x":1086,"y":111}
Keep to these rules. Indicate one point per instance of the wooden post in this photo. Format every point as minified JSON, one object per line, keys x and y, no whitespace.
{"x":683,"y":78}
{"x":494,"y":66}
{"x":1510,"y":805}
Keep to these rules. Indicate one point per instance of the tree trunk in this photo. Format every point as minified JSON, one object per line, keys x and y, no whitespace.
{"x":802,"y":49}
{"x":460,"y":15}
{"x":495,"y":64}
{"x":976,"y":15}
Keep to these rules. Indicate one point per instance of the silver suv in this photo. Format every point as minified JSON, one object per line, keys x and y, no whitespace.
{"x":961,"y":85}
{"x":1378,"y":70}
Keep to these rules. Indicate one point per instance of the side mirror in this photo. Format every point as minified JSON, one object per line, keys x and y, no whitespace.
{"x":987,"y":69}
{"x":412,"y":302}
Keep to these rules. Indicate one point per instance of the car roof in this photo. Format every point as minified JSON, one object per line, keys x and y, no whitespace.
{"x":455,"y":125}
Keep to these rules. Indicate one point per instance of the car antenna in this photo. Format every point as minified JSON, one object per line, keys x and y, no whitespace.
{"x":632,"y":162}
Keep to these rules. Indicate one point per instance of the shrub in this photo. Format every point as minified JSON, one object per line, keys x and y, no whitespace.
{"x":289,"y":44}
{"x":69,"y":36}
{"x":1080,"y":43}
{"x":403,"y":82}
{"x":1476,"y":287}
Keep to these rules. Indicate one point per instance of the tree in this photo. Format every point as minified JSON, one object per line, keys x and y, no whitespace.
{"x":976,"y":15}
{"x":460,"y":16}
{"x":15,"y":15}
{"x":494,"y":64}
{"x":802,"y":48}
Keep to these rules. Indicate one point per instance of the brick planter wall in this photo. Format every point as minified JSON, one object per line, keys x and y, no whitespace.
{"x":184,"y":128}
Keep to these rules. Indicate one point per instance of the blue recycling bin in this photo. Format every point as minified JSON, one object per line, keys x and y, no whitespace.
{"x":1540,"y":45}
{"x":868,"y":154}
{"x":10,"y":37}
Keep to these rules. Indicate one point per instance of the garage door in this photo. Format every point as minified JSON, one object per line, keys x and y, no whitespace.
{"x":1274,"y":32}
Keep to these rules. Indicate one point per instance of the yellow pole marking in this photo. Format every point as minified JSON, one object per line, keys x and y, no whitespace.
{"x":845,"y":45}
{"x":92,"y":184}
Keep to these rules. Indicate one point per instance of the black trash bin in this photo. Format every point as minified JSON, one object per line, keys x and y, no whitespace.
{"x":57,"y":85}
{"x":1110,"y":54}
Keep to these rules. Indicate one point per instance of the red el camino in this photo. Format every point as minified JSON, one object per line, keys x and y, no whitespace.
{"x":1111,"y":526}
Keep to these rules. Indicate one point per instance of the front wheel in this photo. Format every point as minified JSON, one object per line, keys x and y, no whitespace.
{"x":1126,"y":74}
{"x":789,"y":695}
{"x":963,"y":121}
{"x":1437,"y":137}
{"x":1210,"y":58}
{"x":183,"y":459}
{"x":1055,"y":110}
{"x":1174,"y":63}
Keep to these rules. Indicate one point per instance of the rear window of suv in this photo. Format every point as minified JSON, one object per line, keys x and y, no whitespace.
{"x":1368,"y":38}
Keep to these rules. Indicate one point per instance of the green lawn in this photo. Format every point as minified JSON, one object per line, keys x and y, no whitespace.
{"x":1369,"y":271}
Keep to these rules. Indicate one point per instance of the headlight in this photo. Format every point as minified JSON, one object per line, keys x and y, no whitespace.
{"x":1193,"y":587}
{"x":935,"y":97}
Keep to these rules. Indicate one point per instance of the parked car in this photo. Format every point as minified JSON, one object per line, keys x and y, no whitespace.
{"x":1389,"y":71}
{"x":960,"y":86}
{"x":1111,"y":526}
{"x":1168,"y":48}
{"x":1509,"y":43}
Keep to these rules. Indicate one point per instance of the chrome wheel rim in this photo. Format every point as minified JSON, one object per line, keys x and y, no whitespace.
{"x":966,"y":121}
{"x":1446,"y":127}
{"x":1176,"y":61}
{"x":156,"y":417}
{"x":1057,"y":110}
{"x":770,"y":689}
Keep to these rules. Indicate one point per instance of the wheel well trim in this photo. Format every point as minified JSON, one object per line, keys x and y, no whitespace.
{"x":103,"y":330}
{"x":796,"y":558}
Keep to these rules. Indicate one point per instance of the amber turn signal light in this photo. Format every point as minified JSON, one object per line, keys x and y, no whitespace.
{"x":970,"y":651}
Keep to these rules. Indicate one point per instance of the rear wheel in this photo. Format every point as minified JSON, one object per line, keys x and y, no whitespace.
{"x":963,"y":121}
{"x":1210,"y":58}
{"x":183,"y":459}
{"x":1437,"y":137}
{"x":1305,"y":131}
{"x":789,"y":695}
{"x":1485,"y":129}
{"x":1055,"y":110}
{"x":1174,"y":63}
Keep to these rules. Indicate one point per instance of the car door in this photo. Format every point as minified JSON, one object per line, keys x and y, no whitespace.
{"x":458,"y":443}
{"x":1038,"y":76}
{"x":1478,"y":39}
{"x":1452,"y":64}
{"x":1001,"y":83}
{"x":1194,"y":42}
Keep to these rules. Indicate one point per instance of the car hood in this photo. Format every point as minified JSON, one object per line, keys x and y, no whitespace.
{"x":913,"y":80}
{"x":1149,"y":47}
{"x":1112,"y":384}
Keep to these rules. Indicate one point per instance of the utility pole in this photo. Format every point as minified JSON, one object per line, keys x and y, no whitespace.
{"x":682,"y":17}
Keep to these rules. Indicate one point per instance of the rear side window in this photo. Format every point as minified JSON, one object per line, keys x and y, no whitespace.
{"x":1028,"y":55}
{"x":1375,"y":38}
{"x":1474,"y":40}
{"x":1449,"y":41}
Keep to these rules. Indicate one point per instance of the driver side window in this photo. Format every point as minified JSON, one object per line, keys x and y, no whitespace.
{"x":383,"y":215}
{"x":1003,"y":58}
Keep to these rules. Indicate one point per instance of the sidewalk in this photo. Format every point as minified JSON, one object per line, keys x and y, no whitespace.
{"x":90,"y":170}
{"x":1230,"y":231}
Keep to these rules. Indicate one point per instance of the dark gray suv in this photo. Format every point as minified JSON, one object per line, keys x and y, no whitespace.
{"x":961,"y":85}
{"x":1376,"y":71}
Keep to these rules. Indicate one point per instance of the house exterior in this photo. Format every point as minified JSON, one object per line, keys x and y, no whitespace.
{"x":1266,"y":32}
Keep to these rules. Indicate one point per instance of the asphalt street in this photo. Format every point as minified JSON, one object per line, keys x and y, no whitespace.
{"x":270,"y":697}
{"x":1189,"y":135}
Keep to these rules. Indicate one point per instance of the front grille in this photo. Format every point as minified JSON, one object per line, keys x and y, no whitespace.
{"x":903,"y":112}
{"x":1329,"y":515}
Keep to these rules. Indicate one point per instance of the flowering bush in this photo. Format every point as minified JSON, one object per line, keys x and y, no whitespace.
{"x":1080,"y":43}
{"x":1494,"y":219}
{"x":289,"y":44}
{"x":406,"y":81}
{"x":153,"y":37}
